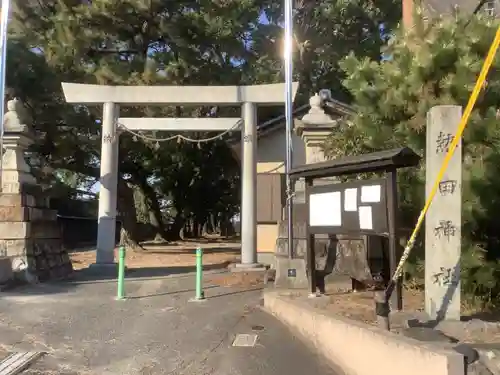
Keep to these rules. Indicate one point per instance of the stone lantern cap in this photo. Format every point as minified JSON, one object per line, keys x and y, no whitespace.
{"x":16,"y":139}
{"x":15,"y":118}
{"x":316,"y":115}
{"x":317,"y":125}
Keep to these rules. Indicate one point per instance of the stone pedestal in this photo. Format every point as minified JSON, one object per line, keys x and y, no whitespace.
{"x":335,"y":255}
{"x":30,"y":239}
{"x":314,"y":127}
{"x":298,"y":264}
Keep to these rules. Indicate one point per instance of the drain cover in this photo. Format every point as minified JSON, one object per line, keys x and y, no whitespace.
{"x":257,"y":328}
{"x":17,"y":362}
{"x":243,"y":339}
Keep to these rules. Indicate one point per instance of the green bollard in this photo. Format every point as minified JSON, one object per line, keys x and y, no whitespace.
{"x":200,"y":295}
{"x":121,"y":273}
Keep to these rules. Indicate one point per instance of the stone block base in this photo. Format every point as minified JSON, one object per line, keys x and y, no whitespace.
{"x":43,"y":262}
{"x":18,"y":230}
{"x":103,"y":269}
{"x":298,"y":280}
{"x":254,"y":267}
{"x":30,"y":242}
{"x":6,"y":273}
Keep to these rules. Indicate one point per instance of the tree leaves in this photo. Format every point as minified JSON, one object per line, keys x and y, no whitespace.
{"x":183,"y":42}
{"x":130,"y":42}
{"x":434,"y":64}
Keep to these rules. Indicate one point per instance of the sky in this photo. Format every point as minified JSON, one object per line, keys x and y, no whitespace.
{"x":263,"y":19}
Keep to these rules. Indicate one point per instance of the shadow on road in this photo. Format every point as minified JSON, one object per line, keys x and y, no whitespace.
{"x":169,"y":293}
{"x":236,"y":292}
{"x":88,"y":274}
{"x":194,"y":242}
{"x":94,"y":276}
{"x":208,"y":296}
{"x":216,"y":250}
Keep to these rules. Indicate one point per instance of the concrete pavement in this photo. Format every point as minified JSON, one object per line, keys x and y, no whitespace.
{"x":156,"y":331}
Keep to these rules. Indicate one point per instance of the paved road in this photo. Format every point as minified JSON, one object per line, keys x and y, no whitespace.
{"x":157,"y":331}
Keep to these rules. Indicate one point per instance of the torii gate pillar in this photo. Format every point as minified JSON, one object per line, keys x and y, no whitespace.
{"x":106,"y":230}
{"x":249,"y":97}
{"x":248,"y":217}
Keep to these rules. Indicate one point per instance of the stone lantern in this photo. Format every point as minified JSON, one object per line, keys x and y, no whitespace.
{"x":313,"y":128}
{"x":17,"y":138}
{"x":30,"y":239}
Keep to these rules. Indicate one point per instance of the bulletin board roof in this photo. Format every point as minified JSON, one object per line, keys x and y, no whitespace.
{"x":374,"y":162}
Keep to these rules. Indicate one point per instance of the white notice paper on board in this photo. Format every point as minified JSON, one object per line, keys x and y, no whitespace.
{"x":325,"y":209}
{"x":365,"y":217}
{"x":351,"y":199}
{"x":370,"y":194}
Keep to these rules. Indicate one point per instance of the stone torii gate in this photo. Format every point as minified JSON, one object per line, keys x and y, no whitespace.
{"x":112,"y":97}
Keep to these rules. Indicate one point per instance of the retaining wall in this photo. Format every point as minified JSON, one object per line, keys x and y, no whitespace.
{"x":357,"y":348}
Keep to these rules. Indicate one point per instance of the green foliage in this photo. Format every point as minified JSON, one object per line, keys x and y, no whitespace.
{"x":183,"y":42}
{"x":131,"y":42}
{"x":325,"y":32}
{"x":434,"y":64}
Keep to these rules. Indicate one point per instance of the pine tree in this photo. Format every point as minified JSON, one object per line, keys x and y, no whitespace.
{"x":133,"y":42}
{"x":324,"y":33}
{"x":436,"y":63}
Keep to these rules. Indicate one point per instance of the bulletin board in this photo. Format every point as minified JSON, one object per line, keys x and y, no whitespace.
{"x":355,"y":207}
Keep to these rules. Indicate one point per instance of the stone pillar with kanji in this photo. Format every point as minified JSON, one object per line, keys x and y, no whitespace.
{"x":443,"y":221}
{"x":30,"y":238}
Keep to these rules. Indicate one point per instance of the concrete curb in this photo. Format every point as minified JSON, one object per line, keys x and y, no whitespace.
{"x":357,"y":348}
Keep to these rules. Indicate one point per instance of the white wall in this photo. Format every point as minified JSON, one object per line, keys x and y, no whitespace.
{"x":271,"y":151}
{"x":271,"y":148}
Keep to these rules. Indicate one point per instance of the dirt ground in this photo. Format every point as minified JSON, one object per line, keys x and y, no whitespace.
{"x":476,"y":327}
{"x":360,"y":305}
{"x":182,"y":254}
{"x":172,"y":254}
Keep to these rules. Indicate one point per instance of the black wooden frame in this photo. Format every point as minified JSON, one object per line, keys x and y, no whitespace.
{"x":387,"y":162}
{"x":380,"y":227}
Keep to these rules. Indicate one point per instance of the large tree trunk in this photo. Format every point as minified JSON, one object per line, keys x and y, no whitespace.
{"x":151,"y":200}
{"x":129,"y":234}
{"x":225,"y":225}
{"x":213,"y":223}
{"x":155,"y":214}
{"x":174,"y":234}
{"x":195,"y":230}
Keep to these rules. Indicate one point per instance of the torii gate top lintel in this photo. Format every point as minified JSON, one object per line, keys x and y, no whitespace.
{"x":114,"y":97}
{"x":267,"y":94}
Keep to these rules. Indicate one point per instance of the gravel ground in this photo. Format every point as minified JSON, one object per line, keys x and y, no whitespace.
{"x":157,"y":330}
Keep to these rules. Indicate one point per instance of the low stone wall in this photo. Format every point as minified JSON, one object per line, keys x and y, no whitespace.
{"x":359,"y":349}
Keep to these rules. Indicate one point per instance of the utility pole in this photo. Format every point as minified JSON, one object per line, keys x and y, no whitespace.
{"x":288,"y":60}
{"x":4,"y":21}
